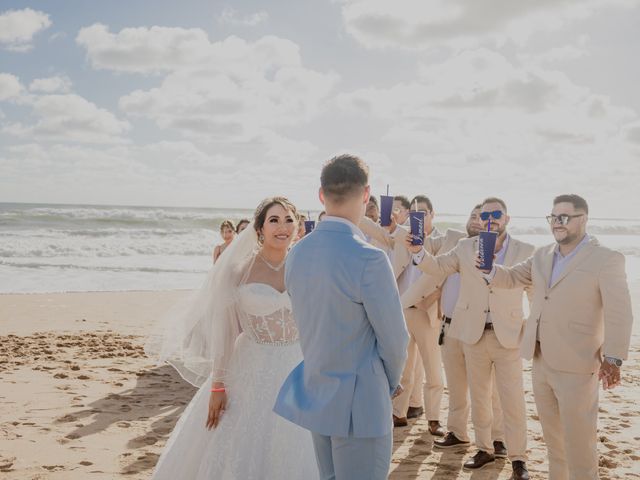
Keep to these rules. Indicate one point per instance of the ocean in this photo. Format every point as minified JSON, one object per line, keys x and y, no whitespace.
{"x":66,"y":248}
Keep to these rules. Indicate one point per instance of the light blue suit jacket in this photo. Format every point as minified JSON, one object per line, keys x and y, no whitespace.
{"x":352,"y":333}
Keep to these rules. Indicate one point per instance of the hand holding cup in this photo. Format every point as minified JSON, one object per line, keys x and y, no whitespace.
{"x":408,"y":242}
{"x":479,"y":263}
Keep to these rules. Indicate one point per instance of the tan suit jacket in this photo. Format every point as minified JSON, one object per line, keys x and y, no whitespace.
{"x":476,"y":298}
{"x":401,"y":257}
{"x":427,"y":289}
{"x":585,"y":314}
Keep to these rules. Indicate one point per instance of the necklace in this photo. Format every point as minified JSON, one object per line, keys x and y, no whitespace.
{"x":275,"y":268}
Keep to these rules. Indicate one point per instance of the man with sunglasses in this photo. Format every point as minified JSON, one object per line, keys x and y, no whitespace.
{"x":447,"y":289}
{"x":489,"y":323}
{"x":580,"y":324}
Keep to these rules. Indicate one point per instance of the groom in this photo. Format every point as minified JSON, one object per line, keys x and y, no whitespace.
{"x":352,"y":333}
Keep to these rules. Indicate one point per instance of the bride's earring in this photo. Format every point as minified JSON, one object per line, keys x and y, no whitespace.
{"x":261,"y":238}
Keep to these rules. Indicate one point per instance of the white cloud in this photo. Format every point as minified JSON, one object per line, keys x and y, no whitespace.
{"x":18,"y":27}
{"x":55,"y":84}
{"x":417,"y":24}
{"x":71,"y":118}
{"x":143,"y":49}
{"x":478,"y":124}
{"x":229,"y":16}
{"x":234,"y":91}
{"x":10,"y":86}
{"x":555,"y":56}
{"x":484,"y":96}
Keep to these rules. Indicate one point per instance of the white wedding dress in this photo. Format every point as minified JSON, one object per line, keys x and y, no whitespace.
{"x":250,"y":442}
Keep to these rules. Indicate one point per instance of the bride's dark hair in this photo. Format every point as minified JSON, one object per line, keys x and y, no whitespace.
{"x":260,"y":214}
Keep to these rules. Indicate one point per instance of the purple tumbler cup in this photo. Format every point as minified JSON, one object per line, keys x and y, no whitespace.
{"x":386,"y":206}
{"x":486,"y":249}
{"x":309,"y":225}
{"x":416,"y":220}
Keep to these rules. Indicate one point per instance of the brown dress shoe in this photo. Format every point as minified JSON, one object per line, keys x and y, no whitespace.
{"x":479,"y":460}
{"x":520,"y":471}
{"x":400,"y":421}
{"x":449,"y":441}
{"x":414,"y":412}
{"x":436,"y":429}
{"x":499,"y":449}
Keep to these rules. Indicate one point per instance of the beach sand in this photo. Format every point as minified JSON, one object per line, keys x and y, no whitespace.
{"x":79,"y":399}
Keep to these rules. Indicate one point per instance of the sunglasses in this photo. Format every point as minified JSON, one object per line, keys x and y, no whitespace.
{"x":496,"y":214}
{"x":563,"y":218}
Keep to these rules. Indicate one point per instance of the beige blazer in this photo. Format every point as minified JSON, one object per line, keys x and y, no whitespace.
{"x":477,"y":298}
{"x":425,"y":292}
{"x":394,"y":243}
{"x":584,"y":315}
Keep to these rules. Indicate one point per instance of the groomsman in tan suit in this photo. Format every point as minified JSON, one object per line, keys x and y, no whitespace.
{"x":422,"y":323}
{"x":489,"y":324}
{"x":578,"y":332}
{"x":452,"y":349}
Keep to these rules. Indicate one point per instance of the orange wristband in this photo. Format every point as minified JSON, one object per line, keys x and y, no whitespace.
{"x":216,"y":390}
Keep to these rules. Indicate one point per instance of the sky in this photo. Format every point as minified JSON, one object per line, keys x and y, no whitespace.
{"x":214,"y":104}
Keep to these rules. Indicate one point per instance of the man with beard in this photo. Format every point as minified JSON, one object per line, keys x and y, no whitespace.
{"x":489,"y":323}
{"x":580,"y":324}
{"x":451,"y":348}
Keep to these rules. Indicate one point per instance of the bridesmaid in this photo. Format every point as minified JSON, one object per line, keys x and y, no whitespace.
{"x":227,"y":232}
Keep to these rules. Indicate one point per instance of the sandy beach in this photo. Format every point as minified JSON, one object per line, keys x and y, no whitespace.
{"x":79,"y":399}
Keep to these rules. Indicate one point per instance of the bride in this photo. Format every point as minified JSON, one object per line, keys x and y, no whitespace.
{"x":236,"y":339}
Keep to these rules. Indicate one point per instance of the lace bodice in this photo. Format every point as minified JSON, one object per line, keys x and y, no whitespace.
{"x":266,"y":314}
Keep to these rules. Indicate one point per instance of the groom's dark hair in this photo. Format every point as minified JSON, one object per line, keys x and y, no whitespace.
{"x":344,"y":176}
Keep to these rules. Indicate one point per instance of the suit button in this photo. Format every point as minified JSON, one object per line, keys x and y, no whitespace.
{"x":546,"y":297}
{"x":486,"y":311}
{"x":490,"y":291}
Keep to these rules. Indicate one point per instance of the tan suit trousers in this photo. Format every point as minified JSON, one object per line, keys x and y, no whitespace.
{"x":423,"y":346}
{"x":416,"y":399}
{"x":567,"y":404}
{"x":455,"y":371}
{"x":481,"y":358}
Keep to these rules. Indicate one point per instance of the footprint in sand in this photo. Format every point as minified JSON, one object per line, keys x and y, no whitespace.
{"x":143,"y":462}
{"x":66,"y":419}
{"x":123,"y":424}
{"x":6,"y":463}
{"x":84,"y":377}
{"x":144,"y":440}
{"x":61,"y":375}
{"x":607,"y":463}
{"x":85,"y":463}
{"x":53,"y":468}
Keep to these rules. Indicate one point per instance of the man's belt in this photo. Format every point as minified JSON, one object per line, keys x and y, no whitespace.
{"x":445,"y":321}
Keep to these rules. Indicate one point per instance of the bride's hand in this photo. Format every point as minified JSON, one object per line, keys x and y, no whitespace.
{"x":217,"y":405}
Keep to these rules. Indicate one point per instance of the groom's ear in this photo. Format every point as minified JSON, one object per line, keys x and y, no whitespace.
{"x":321,"y":195}
{"x":367,"y":194}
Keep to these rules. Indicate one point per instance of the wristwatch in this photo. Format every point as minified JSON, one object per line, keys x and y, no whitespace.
{"x":613,"y":361}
